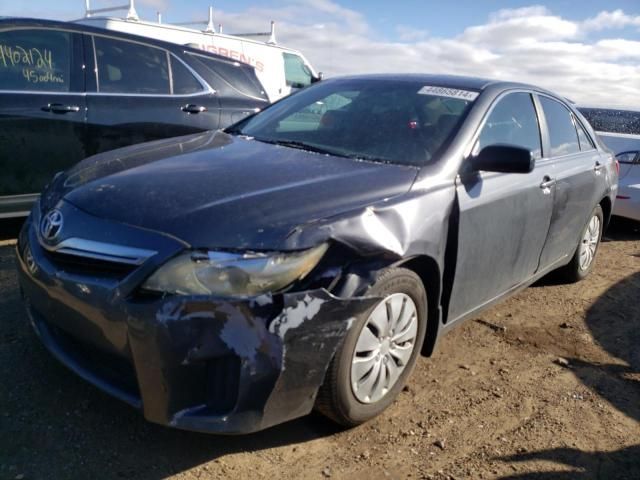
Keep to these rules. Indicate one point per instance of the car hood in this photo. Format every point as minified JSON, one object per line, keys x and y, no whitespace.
{"x":214,"y":190}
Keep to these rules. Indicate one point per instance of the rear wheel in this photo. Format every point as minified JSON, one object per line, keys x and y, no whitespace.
{"x":583,"y":259}
{"x":378,"y":354}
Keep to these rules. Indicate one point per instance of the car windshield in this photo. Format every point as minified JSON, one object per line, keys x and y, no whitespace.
{"x":404,"y":122}
{"x":613,"y":121}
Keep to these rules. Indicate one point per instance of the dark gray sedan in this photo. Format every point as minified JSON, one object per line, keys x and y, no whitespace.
{"x":305,"y":257}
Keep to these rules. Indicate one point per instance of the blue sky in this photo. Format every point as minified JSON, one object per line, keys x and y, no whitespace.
{"x":587,"y":50}
{"x":438,"y":18}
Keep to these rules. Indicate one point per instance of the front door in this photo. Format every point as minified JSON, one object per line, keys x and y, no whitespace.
{"x":503,"y":218}
{"x":42,"y":112}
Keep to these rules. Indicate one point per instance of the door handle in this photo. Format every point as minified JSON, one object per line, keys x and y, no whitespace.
{"x":191,"y":108}
{"x":59,"y":108}
{"x":547,"y":183}
{"x":598,"y":167}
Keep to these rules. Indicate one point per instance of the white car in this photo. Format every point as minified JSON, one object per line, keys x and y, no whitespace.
{"x":620,"y":131}
{"x":281,"y":70}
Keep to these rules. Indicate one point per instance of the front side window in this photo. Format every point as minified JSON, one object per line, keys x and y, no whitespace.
{"x":35,"y":60}
{"x":126,"y":67}
{"x":296,"y":72}
{"x":514,"y":122}
{"x":562,"y":131}
{"x":378,"y":120}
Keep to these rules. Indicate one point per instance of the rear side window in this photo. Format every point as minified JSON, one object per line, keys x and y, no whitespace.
{"x":562,"y":131}
{"x":513,"y":121}
{"x":184,"y":82}
{"x":35,"y":60}
{"x":296,"y":73}
{"x":126,"y":67}
{"x":222,"y":74}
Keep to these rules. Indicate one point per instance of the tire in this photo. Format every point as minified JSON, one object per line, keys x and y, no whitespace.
{"x":339,"y":398}
{"x":576,"y":270}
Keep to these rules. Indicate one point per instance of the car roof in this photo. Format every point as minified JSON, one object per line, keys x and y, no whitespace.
{"x":81,"y":28}
{"x":452,"y":81}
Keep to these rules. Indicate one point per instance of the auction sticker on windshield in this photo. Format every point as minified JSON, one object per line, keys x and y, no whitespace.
{"x":448,"y":92}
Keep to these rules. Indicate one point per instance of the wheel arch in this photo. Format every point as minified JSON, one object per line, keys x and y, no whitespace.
{"x":607,"y":207}
{"x":429,"y":272}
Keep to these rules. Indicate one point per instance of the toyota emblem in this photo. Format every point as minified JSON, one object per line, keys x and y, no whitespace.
{"x":51,"y":225}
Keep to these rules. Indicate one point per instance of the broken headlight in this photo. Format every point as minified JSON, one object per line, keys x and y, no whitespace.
{"x":233,"y":274}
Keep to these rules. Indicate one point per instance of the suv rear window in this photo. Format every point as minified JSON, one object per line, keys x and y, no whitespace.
{"x":35,"y":60}
{"x":612,"y":120}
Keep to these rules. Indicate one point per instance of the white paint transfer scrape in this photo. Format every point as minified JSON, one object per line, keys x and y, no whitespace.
{"x":293,"y":317}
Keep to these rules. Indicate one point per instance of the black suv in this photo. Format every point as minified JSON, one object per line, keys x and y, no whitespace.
{"x":68,"y":91}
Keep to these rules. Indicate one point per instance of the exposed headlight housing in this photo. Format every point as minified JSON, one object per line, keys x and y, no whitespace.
{"x":233,"y":274}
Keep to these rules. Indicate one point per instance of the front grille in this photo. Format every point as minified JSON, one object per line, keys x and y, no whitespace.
{"x":81,"y":265}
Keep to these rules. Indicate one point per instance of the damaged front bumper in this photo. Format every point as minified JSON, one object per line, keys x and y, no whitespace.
{"x":192,"y":362}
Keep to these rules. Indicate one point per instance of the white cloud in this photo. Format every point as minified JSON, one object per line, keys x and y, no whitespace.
{"x":528,"y":44}
{"x":607,"y":20}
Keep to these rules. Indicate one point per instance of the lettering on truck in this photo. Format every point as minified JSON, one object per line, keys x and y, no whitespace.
{"x":234,"y":55}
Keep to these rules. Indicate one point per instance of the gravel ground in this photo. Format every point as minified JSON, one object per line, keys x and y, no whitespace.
{"x":544,"y":386}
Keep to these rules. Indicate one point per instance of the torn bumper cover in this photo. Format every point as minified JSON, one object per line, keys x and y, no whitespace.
{"x":196,"y":363}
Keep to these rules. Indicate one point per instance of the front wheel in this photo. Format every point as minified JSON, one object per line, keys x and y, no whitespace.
{"x":378,"y":354}
{"x":583,"y":259}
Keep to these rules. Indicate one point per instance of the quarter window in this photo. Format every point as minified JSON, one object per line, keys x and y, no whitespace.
{"x":126,"y":67}
{"x":228,"y":75}
{"x":513,"y":121}
{"x":35,"y":60}
{"x":296,"y":73}
{"x":585,"y":141}
{"x":562,"y":131}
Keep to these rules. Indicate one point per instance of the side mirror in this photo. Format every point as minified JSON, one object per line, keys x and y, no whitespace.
{"x":504,"y":159}
{"x":318,"y":78}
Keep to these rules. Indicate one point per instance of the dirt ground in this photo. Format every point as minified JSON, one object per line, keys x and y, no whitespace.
{"x":544,"y":386}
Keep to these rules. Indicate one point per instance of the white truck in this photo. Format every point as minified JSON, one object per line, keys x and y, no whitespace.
{"x":281,"y":70}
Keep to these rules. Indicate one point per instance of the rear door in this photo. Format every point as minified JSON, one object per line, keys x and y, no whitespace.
{"x":42,"y":111}
{"x":579,"y":176}
{"x":140,"y":92}
{"x":237,"y":87}
{"x":503,"y":218}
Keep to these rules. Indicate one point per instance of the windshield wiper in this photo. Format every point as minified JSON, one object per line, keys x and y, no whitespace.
{"x":300,"y":146}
